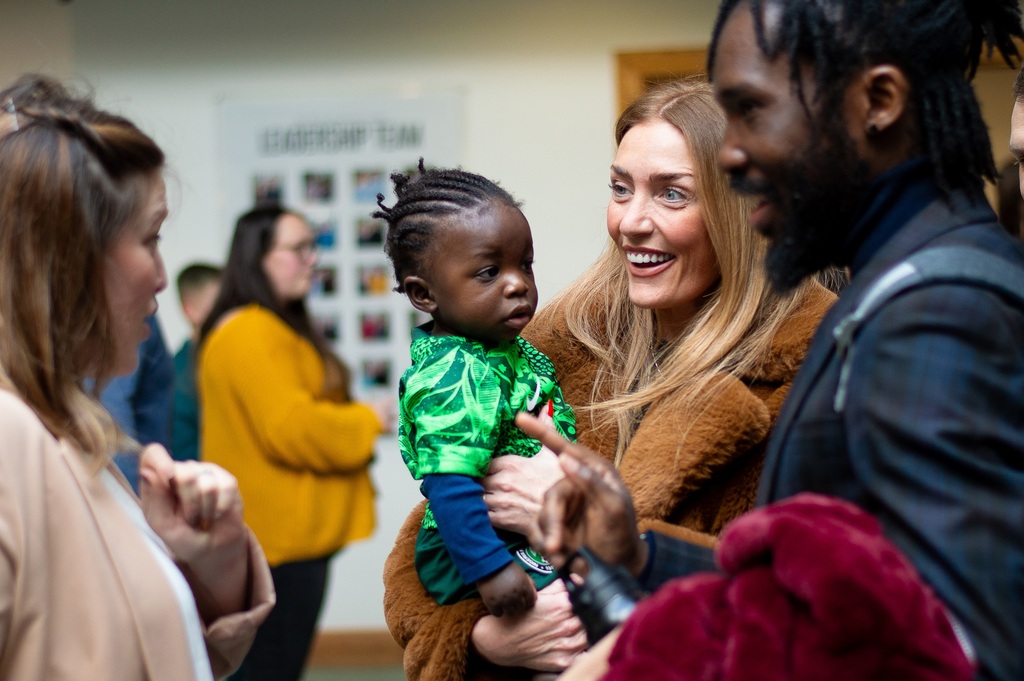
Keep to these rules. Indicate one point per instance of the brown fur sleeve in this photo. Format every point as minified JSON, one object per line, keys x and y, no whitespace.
{"x":436,"y":638}
{"x":681,"y":451}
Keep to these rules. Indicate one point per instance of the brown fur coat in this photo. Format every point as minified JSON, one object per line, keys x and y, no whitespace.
{"x":689,"y":489}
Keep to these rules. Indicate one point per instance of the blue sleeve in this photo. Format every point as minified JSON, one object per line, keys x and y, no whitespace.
{"x":461,"y":515}
{"x":118,"y":398}
{"x":141,"y":401}
{"x":154,"y":389}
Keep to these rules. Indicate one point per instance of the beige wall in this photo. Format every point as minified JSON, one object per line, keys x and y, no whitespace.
{"x":994,"y":86}
{"x":35,"y":35}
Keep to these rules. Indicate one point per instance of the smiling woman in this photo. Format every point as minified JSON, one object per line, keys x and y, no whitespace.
{"x":655,"y":220}
{"x":706,"y":310}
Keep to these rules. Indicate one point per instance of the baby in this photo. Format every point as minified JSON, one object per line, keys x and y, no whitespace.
{"x":463,"y":253}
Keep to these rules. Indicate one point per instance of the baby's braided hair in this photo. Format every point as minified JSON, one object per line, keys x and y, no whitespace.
{"x":425,"y":200}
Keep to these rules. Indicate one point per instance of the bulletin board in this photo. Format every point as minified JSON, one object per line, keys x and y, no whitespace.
{"x":328,"y":159}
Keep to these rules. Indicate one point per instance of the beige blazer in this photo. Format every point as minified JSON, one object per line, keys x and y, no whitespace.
{"x":81,"y":595}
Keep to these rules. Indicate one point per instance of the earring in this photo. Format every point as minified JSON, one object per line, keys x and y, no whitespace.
{"x":872,"y":129}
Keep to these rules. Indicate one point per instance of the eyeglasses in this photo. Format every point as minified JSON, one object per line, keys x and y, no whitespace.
{"x":304,"y":250}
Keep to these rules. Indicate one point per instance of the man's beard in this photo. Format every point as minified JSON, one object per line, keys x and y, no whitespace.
{"x":826,"y":185}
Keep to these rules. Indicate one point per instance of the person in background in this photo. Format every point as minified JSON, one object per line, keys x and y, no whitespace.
{"x":96,"y":583}
{"x":675,"y":355}
{"x":277,"y":413}
{"x":198,"y":284}
{"x":141,"y":401}
{"x":855,"y":125}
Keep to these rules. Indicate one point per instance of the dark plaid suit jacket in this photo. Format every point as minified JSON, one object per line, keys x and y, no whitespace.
{"x":932,"y":437}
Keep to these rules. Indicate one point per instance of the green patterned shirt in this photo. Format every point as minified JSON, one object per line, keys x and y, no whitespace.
{"x":459,"y":398}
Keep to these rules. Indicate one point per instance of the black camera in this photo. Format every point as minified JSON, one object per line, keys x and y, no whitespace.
{"x":605,"y":598}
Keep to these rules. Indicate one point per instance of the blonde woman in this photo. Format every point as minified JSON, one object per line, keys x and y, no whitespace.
{"x":676,"y":355}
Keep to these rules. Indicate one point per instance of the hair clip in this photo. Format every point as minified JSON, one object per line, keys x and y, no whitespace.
{"x":14,"y":113}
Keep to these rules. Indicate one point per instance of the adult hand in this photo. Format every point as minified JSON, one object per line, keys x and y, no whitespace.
{"x":590,"y":506}
{"x":593,"y":664}
{"x":514,"y":489}
{"x":195,"y":508}
{"x":514,"y":486}
{"x":547,"y":637}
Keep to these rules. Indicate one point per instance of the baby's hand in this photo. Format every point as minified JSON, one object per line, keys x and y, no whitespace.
{"x":508,"y":591}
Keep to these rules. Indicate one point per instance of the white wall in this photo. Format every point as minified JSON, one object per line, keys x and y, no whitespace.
{"x":538,"y":83}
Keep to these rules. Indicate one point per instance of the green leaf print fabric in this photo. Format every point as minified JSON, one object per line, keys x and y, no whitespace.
{"x":459,"y":398}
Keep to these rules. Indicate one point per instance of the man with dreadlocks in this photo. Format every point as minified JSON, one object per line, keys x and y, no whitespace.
{"x":854,"y":123}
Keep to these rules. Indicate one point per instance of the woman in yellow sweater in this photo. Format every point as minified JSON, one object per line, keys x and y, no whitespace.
{"x":276,"y":412}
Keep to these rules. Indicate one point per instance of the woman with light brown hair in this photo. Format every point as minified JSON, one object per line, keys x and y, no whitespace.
{"x":94,"y":583}
{"x":675,"y":354}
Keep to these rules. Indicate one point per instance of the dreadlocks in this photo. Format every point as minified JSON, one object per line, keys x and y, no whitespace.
{"x":425,"y":200}
{"x":936,"y":43}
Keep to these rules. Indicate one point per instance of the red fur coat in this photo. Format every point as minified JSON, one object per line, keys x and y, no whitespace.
{"x":812,"y":591}
{"x":689,"y":489}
